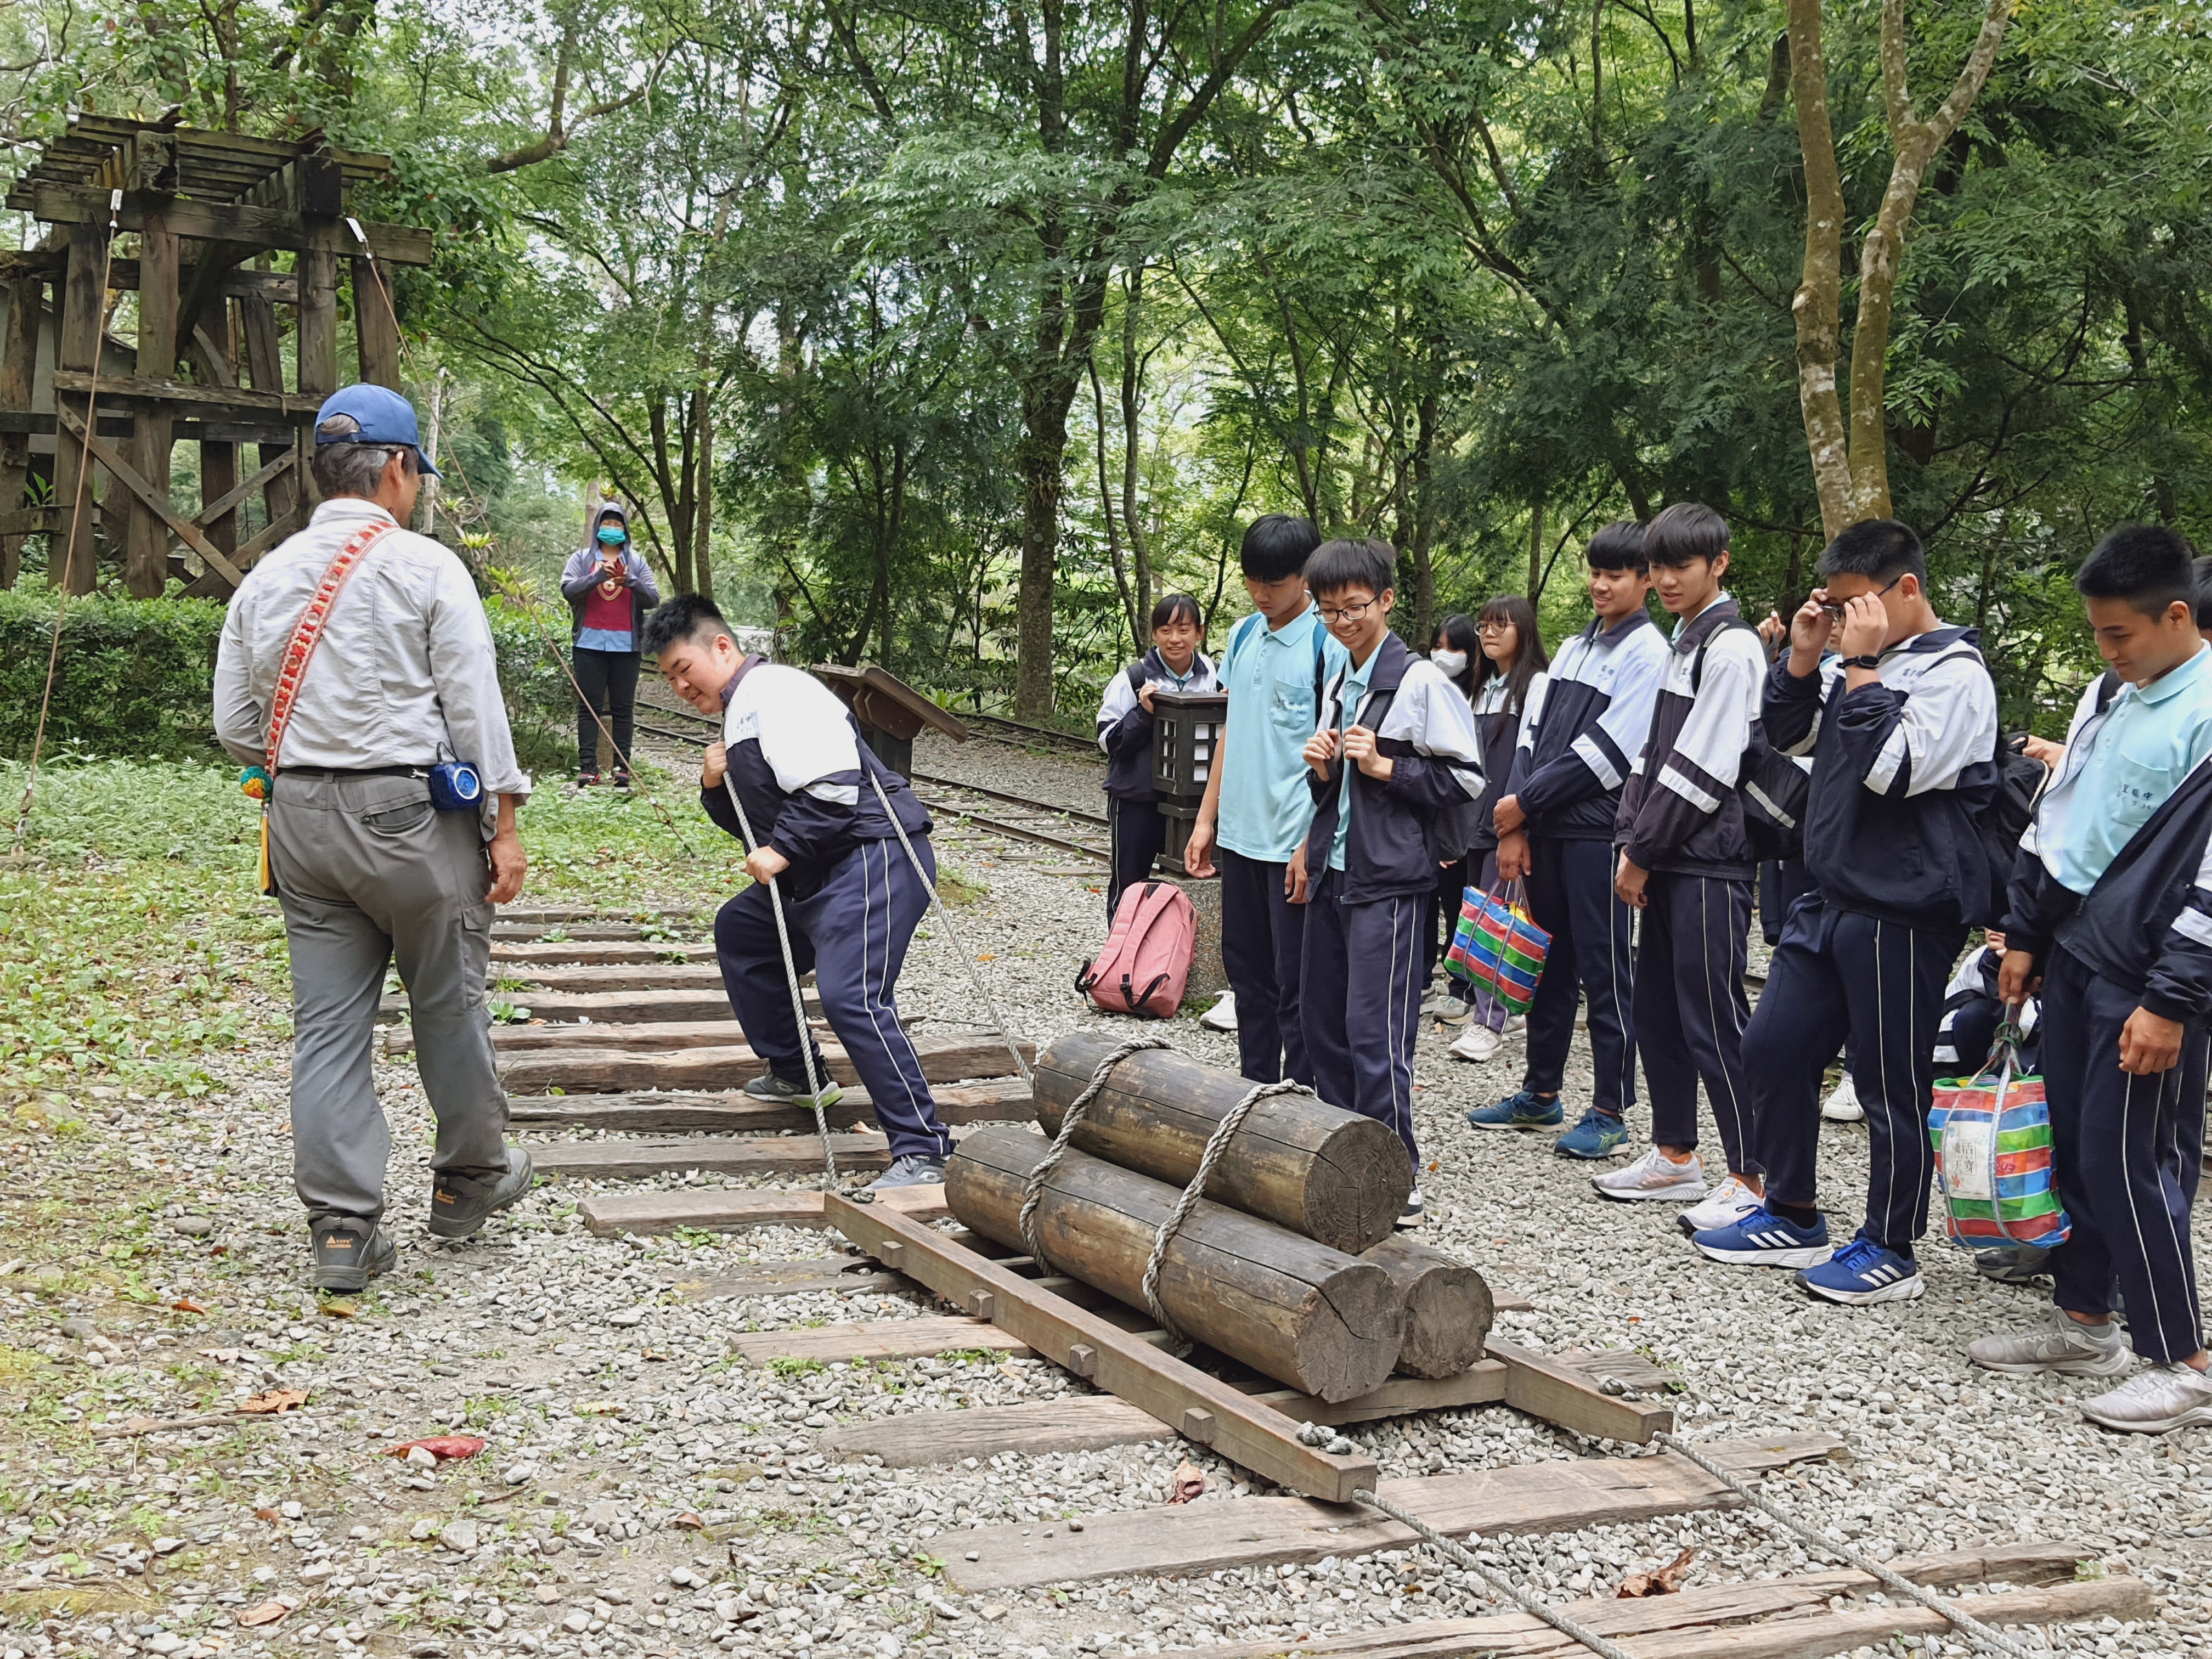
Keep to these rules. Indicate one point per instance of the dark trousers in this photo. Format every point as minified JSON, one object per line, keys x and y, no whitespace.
{"x":1440,"y":915}
{"x":852,"y":931}
{"x":2127,"y":1151}
{"x":608,"y":680}
{"x":1876,"y":987}
{"x":1360,"y":1022}
{"x":1262,"y":940}
{"x":1690,"y":1010}
{"x":1136,"y":831}
{"x":1571,"y":898}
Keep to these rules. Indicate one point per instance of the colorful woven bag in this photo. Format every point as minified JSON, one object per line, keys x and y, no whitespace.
{"x":1496,"y":946}
{"x":1993,"y":1159}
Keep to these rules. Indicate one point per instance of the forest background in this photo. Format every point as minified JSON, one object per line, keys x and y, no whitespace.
{"x":946,"y":334}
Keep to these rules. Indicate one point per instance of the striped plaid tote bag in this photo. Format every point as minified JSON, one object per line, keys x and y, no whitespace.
{"x":1496,"y":946}
{"x":1994,"y":1156}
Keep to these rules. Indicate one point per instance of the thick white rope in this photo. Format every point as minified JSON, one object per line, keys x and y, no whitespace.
{"x":1843,"y":1552}
{"x":798,"y":1000}
{"x":1033,"y":1192}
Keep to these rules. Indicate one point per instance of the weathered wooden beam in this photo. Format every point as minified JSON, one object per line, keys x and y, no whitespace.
{"x":265,"y":364}
{"x":146,"y":558}
{"x":1202,"y":1407}
{"x":317,"y":337}
{"x":731,"y":1209}
{"x":19,"y":360}
{"x":1557,"y":1494}
{"x":155,"y":502}
{"x":606,"y":1071}
{"x":1005,"y":1100}
{"x":1331,"y":1175}
{"x":1543,"y":1387}
{"x":596,"y":952}
{"x":280,"y":286}
{"x":614,"y":980}
{"x":837,"y":1275}
{"x":221,"y":221}
{"x":235,"y":494}
{"x":83,"y":298}
{"x":376,"y":325}
{"x":921,"y":1338}
{"x":214,"y":352}
{"x":242,"y":401}
{"x":788,"y":1157}
{"x":1482,"y":1383}
{"x":1035,"y":1428}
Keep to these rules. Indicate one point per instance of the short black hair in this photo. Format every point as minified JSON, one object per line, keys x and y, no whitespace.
{"x":2148,"y":565}
{"x":2203,"y":568}
{"x":1618,"y":546}
{"x":687,"y":616}
{"x":1684,"y":532}
{"x":1278,"y":546}
{"x":1352,"y":561}
{"x":1881,"y":550}
{"x":1172,"y":605}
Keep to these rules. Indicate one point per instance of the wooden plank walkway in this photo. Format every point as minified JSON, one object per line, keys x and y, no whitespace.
{"x":1004,"y":1100}
{"x":732,"y":1209}
{"x":619,"y":1070}
{"x":883,"y":1339}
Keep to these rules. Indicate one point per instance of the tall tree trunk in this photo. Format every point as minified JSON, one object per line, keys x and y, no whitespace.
{"x":1424,"y":518}
{"x":1535,"y":549}
{"x":1130,"y":615}
{"x":1039,"y":460}
{"x":1818,"y":306}
{"x":1140,"y":558}
{"x":702,"y":529}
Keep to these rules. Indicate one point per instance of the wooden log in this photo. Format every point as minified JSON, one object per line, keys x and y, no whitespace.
{"x":1334,"y":1176}
{"x":1005,"y":1101}
{"x":1449,"y":1310}
{"x":1323,"y":1322}
{"x":1555,"y":1495}
{"x":920,"y":1338}
{"x":606,"y":1071}
{"x":731,"y":1209}
{"x":81,"y":303}
{"x":146,"y":560}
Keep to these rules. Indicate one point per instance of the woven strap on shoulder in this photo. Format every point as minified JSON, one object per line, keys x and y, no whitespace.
{"x":307,"y":633}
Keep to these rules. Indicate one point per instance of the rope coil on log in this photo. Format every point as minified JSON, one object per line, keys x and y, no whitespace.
{"x":1033,"y":1191}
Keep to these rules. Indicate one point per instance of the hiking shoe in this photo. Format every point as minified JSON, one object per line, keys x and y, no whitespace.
{"x":1863,"y":1273}
{"x":1221,"y":1016}
{"x":2014,"y":1264}
{"x":1598,"y":1134}
{"x":1412,"y":1214}
{"x":1480,"y":1042}
{"x":2058,"y":1344}
{"x":2163,"y":1398}
{"x":1763,"y":1239}
{"x":461,"y":1204}
{"x":1521,"y":1111}
{"x":1517,"y":1026}
{"x":1434,"y":1002}
{"x":349,"y":1252}
{"x":585,"y":780}
{"x":1654,"y":1175}
{"x":1725,"y":1205}
{"x":621,"y":779}
{"x":1841,"y":1105}
{"x":768,"y":1086}
{"x":910,"y":1169}
{"x":1448,"y":1011}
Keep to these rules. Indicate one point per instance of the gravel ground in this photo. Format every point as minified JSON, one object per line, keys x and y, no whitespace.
{"x":643,"y":1493}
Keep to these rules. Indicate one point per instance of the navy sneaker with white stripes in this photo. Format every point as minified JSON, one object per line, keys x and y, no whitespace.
{"x":1863,"y":1273}
{"x":1763,"y":1239}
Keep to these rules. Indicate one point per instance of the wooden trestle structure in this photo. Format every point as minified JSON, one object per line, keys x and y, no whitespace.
{"x":205,"y":212}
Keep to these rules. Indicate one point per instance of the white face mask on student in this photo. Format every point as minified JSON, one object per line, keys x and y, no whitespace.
{"x":1453,"y":663}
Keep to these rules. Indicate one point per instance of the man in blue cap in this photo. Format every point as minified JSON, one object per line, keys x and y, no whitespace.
{"x":398,"y":676}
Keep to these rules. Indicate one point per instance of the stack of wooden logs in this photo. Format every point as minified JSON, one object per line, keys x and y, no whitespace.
{"x":1289,"y":1264}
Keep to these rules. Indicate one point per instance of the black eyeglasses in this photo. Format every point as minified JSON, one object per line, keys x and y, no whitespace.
{"x":1350,"y":613}
{"x":1836,"y":610}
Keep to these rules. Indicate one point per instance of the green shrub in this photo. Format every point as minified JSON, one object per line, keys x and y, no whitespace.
{"x":135,"y":676}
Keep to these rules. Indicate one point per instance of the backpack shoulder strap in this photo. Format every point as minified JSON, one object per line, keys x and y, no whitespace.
{"x":1135,"y":671}
{"x":1698,"y":666}
{"x":307,"y":634}
{"x":2108,"y":687}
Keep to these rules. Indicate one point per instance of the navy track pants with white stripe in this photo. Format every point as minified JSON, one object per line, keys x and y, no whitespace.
{"x":1877,"y":988}
{"x":1359,"y":1021}
{"x":852,"y":931}
{"x":1690,"y":1010}
{"x":2128,"y":1150}
{"x":1571,"y":898}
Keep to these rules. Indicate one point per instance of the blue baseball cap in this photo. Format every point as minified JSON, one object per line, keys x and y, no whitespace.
{"x":385,"y":418}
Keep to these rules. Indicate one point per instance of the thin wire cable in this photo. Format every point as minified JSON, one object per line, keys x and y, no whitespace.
{"x":1843,"y":1552}
{"x":798,"y":1000}
{"x":1033,"y":1190}
{"x":77,"y":517}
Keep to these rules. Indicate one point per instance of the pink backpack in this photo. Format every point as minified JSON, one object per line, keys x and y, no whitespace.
{"x":1146,"y":961}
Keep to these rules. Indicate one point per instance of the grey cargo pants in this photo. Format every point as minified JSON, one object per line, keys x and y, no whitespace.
{"x":366,"y":870}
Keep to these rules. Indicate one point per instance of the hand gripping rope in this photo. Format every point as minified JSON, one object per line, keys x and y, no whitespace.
{"x":798,"y":1000}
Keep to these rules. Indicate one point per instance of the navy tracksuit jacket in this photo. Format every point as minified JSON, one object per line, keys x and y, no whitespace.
{"x":1900,"y":770}
{"x":1359,"y":985}
{"x":1135,"y":831}
{"x":1582,"y":731}
{"x":2127,"y":1151}
{"x":851,"y":897}
{"x":1681,"y":818}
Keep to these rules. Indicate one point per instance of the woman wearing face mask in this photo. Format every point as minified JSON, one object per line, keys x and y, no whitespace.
{"x":609,"y":588}
{"x":1509,"y":681}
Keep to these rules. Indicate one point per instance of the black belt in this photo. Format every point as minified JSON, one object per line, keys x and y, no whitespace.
{"x":422,"y":771}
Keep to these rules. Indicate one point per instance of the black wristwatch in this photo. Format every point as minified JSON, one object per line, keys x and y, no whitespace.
{"x":1862,"y":662}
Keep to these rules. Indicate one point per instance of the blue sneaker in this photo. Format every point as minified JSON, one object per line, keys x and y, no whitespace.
{"x":1763,"y":1239}
{"x":1599,"y":1135}
{"x":1522,"y":1111}
{"x":1863,"y":1272}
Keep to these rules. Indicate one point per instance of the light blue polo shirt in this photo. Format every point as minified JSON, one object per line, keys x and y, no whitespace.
{"x":1265,"y":809}
{"x":1355,"y":693}
{"x":2152,"y":738}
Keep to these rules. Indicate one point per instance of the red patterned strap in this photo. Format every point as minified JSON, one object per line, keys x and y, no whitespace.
{"x":307,"y":634}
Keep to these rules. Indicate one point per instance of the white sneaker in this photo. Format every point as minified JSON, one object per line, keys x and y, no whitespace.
{"x":1653,"y":1176}
{"x":2163,"y":1398}
{"x":1727,"y":1204}
{"x":2058,"y":1344}
{"x":1221,"y":1016}
{"x":1517,"y":1026}
{"x":1412,"y":1215}
{"x":1477,"y":1042}
{"x":1841,"y":1105}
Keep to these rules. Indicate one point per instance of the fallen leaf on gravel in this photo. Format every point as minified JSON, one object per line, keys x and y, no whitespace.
{"x":274,"y":1400}
{"x":185,"y":1305}
{"x":1665,"y":1582}
{"x":655,"y":1353}
{"x":267,"y":1614}
{"x":264,"y":1515}
{"x":440,"y":1446}
{"x":336,"y":1309}
{"x":690,"y":1521}
{"x":601,"y":1408}
{"x":1189,"y":1482}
